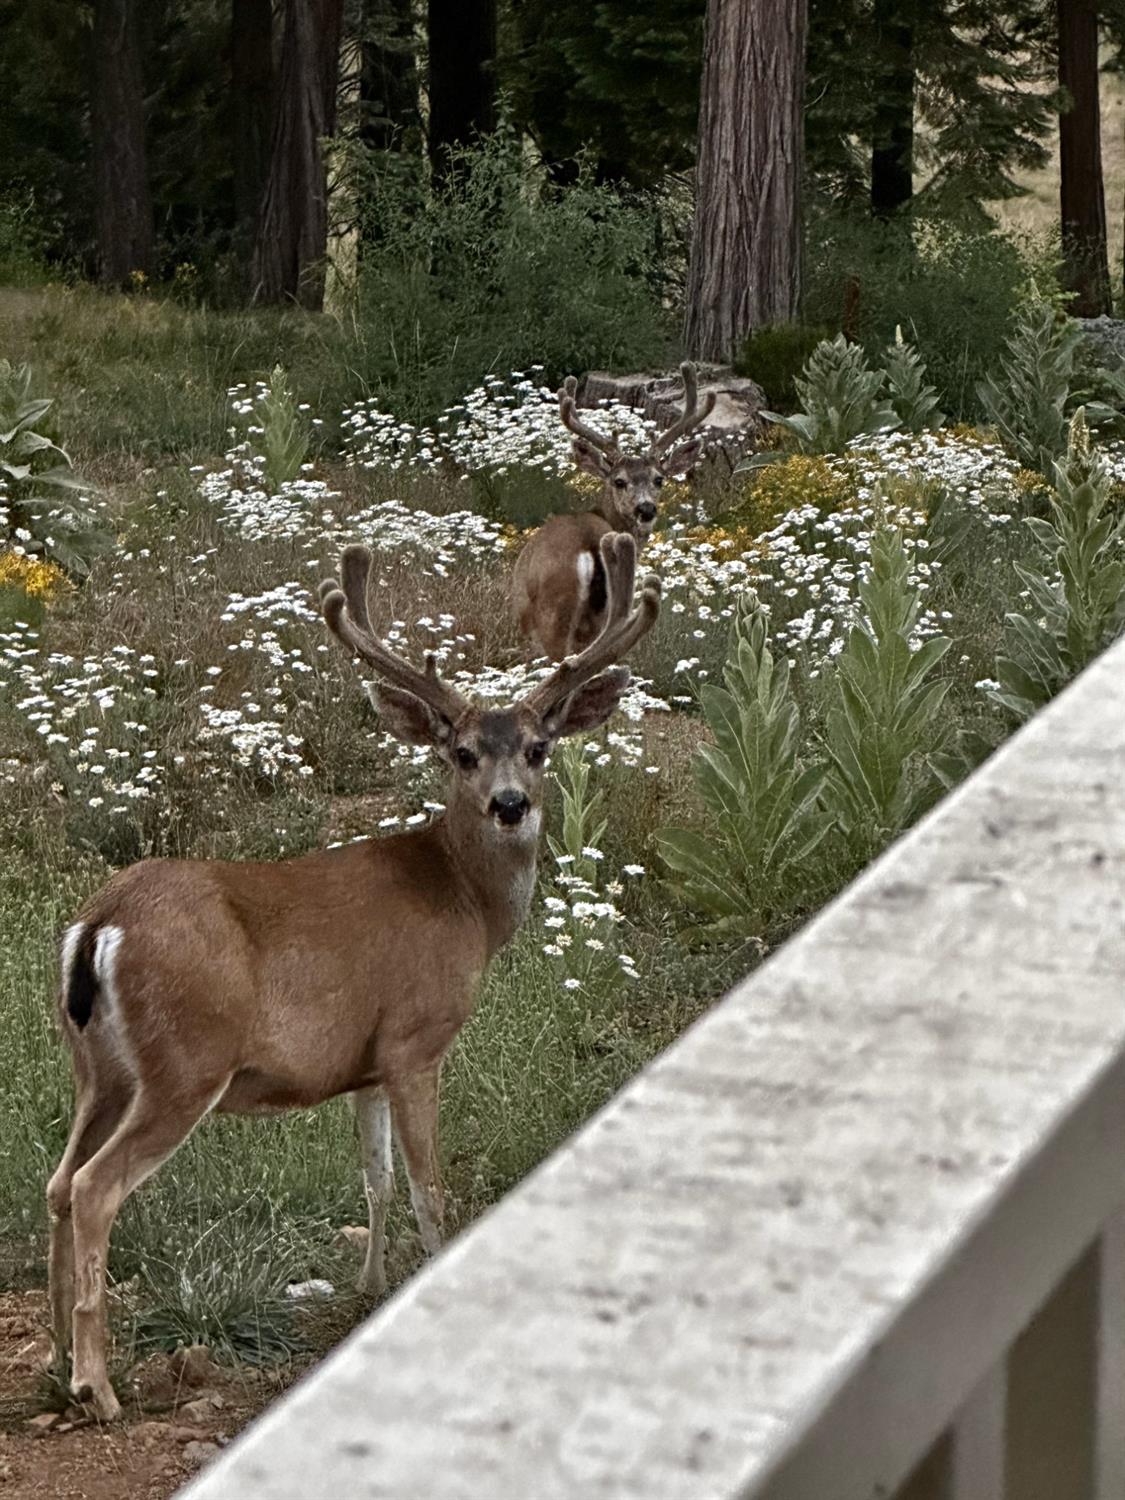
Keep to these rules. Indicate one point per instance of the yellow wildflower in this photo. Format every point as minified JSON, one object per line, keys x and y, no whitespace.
{"x":33,"y":576}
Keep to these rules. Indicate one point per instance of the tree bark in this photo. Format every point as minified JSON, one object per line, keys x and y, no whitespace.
{"x":251,"y":82}
{"x":388,"y":82}
{"x":892,"y":136}
{"x":292,"y":237}
{"x":122,"y":204}
{"x":462,"y":35}
{"x":745,"y":269}
{"x":1081,"y":192}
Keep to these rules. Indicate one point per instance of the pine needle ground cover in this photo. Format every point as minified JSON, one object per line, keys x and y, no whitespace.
{"x":837,"y":646}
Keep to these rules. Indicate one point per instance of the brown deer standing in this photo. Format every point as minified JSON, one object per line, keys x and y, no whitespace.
{"x":559,"y":586}
{"x":196,"y":985}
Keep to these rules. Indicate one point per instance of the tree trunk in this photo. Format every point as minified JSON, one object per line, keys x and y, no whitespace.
{"x":292,"y":238}
{"x":1081,"y":194}
{"x":122,"y":205}
{"x":251,"y":83}
{"x":388,"y":83}
{"x":892,"y":136}
{"x":745,"y":267}
{"x":462,"y":37}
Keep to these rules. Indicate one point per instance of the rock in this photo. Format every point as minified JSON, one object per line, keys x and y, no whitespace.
{"x":301,"y":1291}
{"x":1108,"y":338}
{"x":354,"y":1236}
{"x":154,"y":1381}
{"x":202,"y":1409}
{"x":44,"y":1423}
{"x":154,"y":1432}
{"x":193,"y":1365}
{"x":188,"y":1434}
{"x":734,"y":418}
{"x":200,"y":1453}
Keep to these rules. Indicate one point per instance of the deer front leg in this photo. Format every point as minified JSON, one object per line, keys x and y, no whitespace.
{"x":373,"y":1116}
{"x":414,"y":1109}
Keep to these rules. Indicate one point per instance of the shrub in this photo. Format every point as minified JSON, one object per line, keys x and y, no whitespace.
{"x":761,"y":802}
{"x":775,"y":357}
{"x":500,"y":269}
{"x":791,"y":482}
{"x":23,"y":241}
{"x":1077,"y":592}
{"x":954,"y":291}
{"x":841,"y":397}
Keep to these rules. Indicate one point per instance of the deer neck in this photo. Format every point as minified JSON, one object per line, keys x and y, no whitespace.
{"x":497,"y":868}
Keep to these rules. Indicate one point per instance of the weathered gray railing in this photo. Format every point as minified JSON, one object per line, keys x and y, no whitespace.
{"x":859,"y":1233}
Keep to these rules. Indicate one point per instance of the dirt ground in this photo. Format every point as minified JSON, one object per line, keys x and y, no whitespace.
{"x":179,"y":1412}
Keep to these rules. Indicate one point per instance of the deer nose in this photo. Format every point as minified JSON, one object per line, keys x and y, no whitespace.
{"x":509,"y":807}
{"x":646,"y":510}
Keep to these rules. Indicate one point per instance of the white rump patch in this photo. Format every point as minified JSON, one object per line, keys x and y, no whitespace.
{"x":105,"y":959}
{"x":584,"y":567}
{"x":106,"y":948}
{"x":70,"y":940}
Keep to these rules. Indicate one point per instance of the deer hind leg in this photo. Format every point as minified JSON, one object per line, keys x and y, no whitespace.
{"x":94,"y":1122}
{"x":373,"y":1116}
{"x":414,"y":1109}
{"x":149,"y":1133}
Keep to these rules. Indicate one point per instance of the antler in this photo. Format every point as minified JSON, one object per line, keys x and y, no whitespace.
{"x":345,"y":612}
{"x":692,"y":415}
{"x":568,"y":411}
{"x":620,"y":632}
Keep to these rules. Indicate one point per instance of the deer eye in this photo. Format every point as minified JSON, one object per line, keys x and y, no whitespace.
{"x":619,"y":483}
{"x":466,"y":759}
{"x":536,"y":753}
{"x":657,"y":481}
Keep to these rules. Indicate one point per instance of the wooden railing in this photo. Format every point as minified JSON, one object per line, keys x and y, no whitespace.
{"x":860,"y":1232}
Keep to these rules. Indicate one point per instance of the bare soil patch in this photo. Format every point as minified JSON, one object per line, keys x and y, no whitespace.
{"x":178,"y":1415}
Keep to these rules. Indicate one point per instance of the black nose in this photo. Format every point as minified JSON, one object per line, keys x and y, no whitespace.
{"x":508,"y":807}
{"x":646,"y":510}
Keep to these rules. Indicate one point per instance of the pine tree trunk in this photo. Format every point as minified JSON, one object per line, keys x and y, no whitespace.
{"x":292,"y":235}
{"x":1081,"y":193}
{"x":462,"y":35}
{"x":251,"y":84}
{"x":892,"y":136}
{"x":122,"y":205}
{"x":745,"y":267}
{"x":388,"y":83}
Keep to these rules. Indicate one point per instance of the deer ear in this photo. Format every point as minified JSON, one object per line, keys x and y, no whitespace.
{"x":590,"y":706}
{"x":590,"y":459}
{"x":407,"y":717}
{"x":683,"y":458}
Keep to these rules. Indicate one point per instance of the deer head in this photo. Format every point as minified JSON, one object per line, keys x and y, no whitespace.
{"x":631,"y":485}
{"x":496,"y":757}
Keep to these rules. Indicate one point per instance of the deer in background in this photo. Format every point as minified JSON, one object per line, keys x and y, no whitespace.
{"x":196,"y":985}
{"x":559,"y":591}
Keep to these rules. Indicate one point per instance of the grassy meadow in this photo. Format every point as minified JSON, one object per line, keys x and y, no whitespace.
{"x":174,"y":693}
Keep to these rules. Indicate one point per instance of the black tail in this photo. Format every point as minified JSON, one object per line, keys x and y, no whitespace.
{"x":82,"y":985}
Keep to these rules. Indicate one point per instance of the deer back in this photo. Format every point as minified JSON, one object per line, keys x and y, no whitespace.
{"x":559,"y":584}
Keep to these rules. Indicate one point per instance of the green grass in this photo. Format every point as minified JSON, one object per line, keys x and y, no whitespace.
{"x":144,"y":379}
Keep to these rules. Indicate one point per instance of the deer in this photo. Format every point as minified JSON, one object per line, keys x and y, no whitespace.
{"x":196,"y":986}
{"x":559,"y":593}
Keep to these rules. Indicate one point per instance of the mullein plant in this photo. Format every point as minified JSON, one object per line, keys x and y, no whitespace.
{"x":583,"y":920}
{"x":1076,"y":592}
{"x":882,"y":729}
{"x":761,"y":798}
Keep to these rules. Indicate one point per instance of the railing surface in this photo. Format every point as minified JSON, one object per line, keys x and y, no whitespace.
{"x":856,"y":1234}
